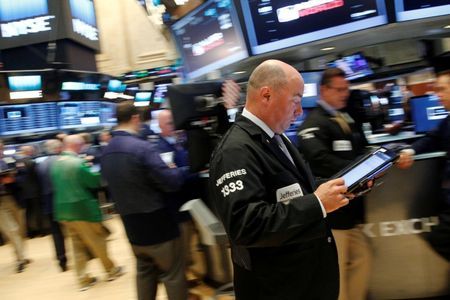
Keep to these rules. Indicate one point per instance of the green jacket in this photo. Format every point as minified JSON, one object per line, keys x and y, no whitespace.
{"x":72,"y":183}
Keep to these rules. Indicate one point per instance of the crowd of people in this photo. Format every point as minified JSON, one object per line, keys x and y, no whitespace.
{"x":293,"y":233}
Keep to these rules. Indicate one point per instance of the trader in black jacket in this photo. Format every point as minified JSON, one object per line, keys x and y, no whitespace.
{"x":330,"y":141}
{"x":265,"y":195}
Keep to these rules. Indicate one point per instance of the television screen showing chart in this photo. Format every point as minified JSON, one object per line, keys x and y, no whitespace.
{"x":28,"y":118}
{"x":272,"y":25}
{"x":354,"y":66}
{"x":418,"y":9}
{"x":209,"y":38}
{"x":25,"y":87}
{"x":427,"y":112}
{"x":108,"y":113}
{"x":79,"y":114}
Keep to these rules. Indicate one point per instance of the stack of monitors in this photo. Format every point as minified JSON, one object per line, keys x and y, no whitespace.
{"x":33,"y":118}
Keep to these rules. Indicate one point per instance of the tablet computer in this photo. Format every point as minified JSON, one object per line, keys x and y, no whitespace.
{"x":358,"y":173}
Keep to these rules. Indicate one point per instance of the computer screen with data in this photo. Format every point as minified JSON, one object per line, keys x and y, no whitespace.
{"x":28,"y":118}
{"x":427,"y":112}
{"x":79,"y":114}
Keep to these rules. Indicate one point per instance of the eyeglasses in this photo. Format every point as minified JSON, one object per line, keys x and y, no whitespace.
{"x":338,"y":89}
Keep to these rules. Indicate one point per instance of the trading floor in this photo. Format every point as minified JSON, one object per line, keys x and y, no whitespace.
{"x":42,"y":279}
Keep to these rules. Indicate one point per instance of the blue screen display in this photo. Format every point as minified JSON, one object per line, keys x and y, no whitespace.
{"x":354,"y":66}
{"x":11,"y":10}
{"x":84,"y":11}
{"x":312,"y":88}
{"x":427,"y":112}
{"x":143,"y":96}
{"x":160,"y":93}
{"x":79,"y":114}
{"x":25,"y":83}
{"x":117,"y":86}
{"x":28,"y":118}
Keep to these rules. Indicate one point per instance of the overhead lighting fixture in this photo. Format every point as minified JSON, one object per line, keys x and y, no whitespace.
{"x":447,"y":27}
{"x":327,"y":49}
{"x":239,"y":72}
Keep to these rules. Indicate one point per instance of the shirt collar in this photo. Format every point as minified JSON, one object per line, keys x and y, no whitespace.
{"x":127,"y":130}
{"x":332,"y":111}
{"x":258,"y":122}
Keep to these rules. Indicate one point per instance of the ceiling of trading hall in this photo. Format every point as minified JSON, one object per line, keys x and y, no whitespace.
{"x":424,"y":29}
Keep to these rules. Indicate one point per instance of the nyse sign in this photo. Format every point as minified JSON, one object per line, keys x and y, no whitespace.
{"x":400,"y":227}
{"x":84,"y":29}
{"x":27,"y":26}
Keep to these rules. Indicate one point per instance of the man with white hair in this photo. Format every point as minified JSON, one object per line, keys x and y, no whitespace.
{"x":80,"y":211}
{"x":53,"y":148}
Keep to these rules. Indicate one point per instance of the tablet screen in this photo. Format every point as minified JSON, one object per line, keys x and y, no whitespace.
{"x":365,"y":167}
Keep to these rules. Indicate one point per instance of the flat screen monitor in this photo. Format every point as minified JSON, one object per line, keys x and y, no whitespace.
{"x":355,"y":66}
{"x":117,"y":86}
{"x":426,"y":112}
{"x":108,"y":113}
{"x":406,"y":10}
{"x":209,"y":38}
{"x":79,"y":114}
{"x":311,"y":92}
{"x":25,"y":86}
{"x":272,"y":25}
{"x":196,"y":105}
{"x":142,"y":99}
{"x":28,"y":118}
{"x":160,"y":93}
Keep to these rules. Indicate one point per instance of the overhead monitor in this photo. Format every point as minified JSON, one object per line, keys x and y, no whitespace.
{"x":311,"y":92}
{"x":272,"y":25}
{"x":84,"y":24}
{"x":418,"y":9}
{"x":25,"y":87}
{"x":26,"y":22}
{"x":427,"y":112}
{"x":28,"y":118}
{"x":355,"y":66}
{"x":108,"y":113}
{"x":209,"y":38}
{"x":160,"y":92}
{"x":142,"y":98}
{"x":79,"y":114}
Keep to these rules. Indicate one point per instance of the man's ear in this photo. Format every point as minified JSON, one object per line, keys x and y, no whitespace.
{"x":265,"y":93}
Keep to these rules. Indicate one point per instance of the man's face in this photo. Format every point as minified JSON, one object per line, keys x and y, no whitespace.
{"x":336,"y":93}
{"x":285,"y":105}
{"x":443,"y":90}
{"x":166,"y":124}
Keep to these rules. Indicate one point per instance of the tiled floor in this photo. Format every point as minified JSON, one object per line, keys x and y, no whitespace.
{"x":43,"y":280}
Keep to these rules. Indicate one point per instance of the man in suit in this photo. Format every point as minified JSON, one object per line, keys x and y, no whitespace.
{"x":437,"y":140}
{"x":138,"y":192}
{"x":265,"y":195}
{"x":330,"y":140}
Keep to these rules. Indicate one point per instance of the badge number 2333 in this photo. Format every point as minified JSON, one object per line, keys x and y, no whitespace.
{"x":232,"y":187}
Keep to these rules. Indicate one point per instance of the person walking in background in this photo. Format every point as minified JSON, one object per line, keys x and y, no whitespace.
{"x":11,"y":215}
{"x":53,"y":149}
{"x":437,"y":140}
{"x":330,"y":140}
{"x":79,"y":210}
{"x":137,"y":179}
